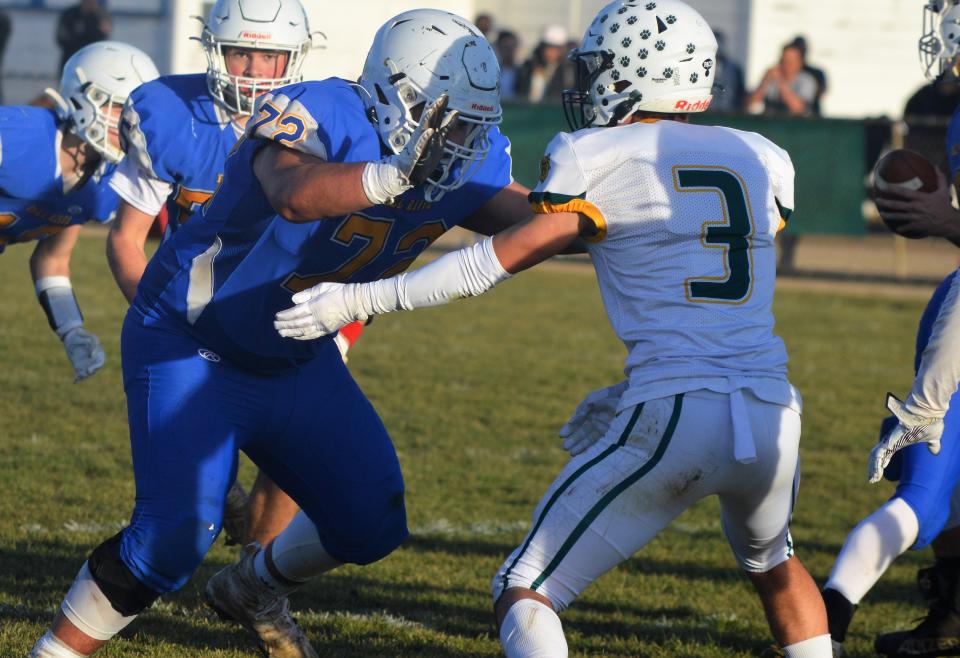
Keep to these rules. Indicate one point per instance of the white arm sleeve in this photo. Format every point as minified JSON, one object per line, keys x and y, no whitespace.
{"x":939,"y":372}
{"x":466,"y":272}
{"x":140,"y":190}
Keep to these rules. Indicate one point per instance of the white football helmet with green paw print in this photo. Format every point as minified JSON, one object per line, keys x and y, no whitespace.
{"x":651,"y":55}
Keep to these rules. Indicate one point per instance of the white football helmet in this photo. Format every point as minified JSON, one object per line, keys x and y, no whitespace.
{"x":279,"y":25}
{"x":940,"y":43}
{"x":94,"y":86}
{"x":650,"y":55}
{"x":416,"y":57}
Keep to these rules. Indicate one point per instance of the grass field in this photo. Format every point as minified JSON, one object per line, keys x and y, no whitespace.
{"x":473,"y":395}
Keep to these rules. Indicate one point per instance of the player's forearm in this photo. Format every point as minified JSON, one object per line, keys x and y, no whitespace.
{"x":127,"y":261}
{"x":51,"y":256}
{"x":304,"y":189}
{"x":939,"y":372}
{"x":50,"y":269}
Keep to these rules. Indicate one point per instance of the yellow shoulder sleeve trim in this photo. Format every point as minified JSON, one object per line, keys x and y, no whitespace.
{"x":783,"y":225}
{"x":581,"y":206}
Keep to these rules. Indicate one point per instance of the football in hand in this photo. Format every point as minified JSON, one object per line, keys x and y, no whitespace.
{"x":907,"y":169}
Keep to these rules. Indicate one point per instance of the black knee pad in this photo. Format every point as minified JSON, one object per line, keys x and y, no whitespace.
{"x":126,"y":594}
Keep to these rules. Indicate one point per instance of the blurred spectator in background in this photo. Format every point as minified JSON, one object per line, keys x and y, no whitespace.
{"x":548,"y":72}
{"x":81,"y":25}
{"x":927,"y":114}
{"x":786,"y":88}
{"x":4,"y":36}
{"x":506,"y":49}
{"x":484,"y":23}
{"x":729,"y":89}
{"x":821,"y":77}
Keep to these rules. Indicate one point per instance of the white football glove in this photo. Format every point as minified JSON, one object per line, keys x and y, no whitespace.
{"x":387,"y":179}
{"x":320,"y":310}
{"x":84,"y":351}
{"x":910,"y":429}
{"x":591,"y":419}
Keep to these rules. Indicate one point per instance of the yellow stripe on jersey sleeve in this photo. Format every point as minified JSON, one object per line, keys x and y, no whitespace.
{"x":577,"y":205}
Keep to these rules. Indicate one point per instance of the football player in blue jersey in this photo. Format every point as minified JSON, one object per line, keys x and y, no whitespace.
{"x":53,"y":178}
{"x":925,"y":509}
{"x":178,"y":130}
{"x":334,"y":181}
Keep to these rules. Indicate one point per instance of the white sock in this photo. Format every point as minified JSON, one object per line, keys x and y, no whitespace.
{"x":298,"y":555}
{"x":87,"y":608}
{"x":814,"y":647}
{"x":872,"y":547}
{"x":531,"y":629}
{"x":49,"y":646}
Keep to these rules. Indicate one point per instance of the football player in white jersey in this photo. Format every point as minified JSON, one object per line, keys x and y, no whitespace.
{"x":681,"y":221}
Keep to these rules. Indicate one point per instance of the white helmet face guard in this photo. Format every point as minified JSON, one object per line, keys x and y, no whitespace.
{"x":279,"y":26}
{"x":460,"y":160}
{"x":238,"y":94}
{"x":106,"y":108}
{"x":939,"y":45}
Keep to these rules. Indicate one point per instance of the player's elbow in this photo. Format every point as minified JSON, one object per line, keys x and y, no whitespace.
{"x":292,"y":205}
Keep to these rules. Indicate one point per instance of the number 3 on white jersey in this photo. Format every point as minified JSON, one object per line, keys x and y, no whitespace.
{"x":733,"y":234}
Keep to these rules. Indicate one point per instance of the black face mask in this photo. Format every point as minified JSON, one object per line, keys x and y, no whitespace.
{"x":578,"y":108}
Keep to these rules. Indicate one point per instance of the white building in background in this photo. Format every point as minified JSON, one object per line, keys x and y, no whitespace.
{"x":867,"y":47}
{"x":163,"y":28}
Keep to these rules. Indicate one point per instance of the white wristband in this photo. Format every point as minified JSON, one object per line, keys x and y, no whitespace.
{"x":383,"y":182}
{"x":59,"y":303}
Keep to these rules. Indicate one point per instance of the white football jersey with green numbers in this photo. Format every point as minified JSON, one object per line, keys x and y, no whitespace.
{"x":686,"y":217}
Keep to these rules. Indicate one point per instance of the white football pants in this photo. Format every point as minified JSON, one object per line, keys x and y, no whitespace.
{"x":656,"y":460}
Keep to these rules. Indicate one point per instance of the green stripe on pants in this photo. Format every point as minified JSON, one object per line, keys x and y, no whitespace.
{"x":613,"y":493}
{"x":569,"y":481}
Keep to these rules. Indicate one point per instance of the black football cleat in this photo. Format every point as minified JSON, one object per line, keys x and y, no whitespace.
{"x":938,"y":633}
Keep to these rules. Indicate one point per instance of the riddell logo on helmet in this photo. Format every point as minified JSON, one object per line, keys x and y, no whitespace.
{"x":482,"y":108}
{"x":260,"y":36}
{"x":687,"y":106}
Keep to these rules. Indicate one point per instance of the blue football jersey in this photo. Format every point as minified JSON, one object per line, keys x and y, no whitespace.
{"x":176,"y":133}
{"x":953,"y":146}
{"x":227,"y":272}
{"x":32,"y":203}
